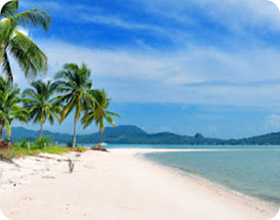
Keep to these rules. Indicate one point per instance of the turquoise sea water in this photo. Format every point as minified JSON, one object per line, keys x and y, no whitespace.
{"x":251,"y":170}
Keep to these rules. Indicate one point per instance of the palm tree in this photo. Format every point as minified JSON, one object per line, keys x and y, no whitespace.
{"x":9,"y":106}
{"x":41,"y":104}
{"x":99,"y":112}
{"x":75,"y":85}
{"x":16,"y":43}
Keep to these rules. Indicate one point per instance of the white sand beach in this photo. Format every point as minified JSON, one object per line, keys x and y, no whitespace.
{"x":114,"y":185}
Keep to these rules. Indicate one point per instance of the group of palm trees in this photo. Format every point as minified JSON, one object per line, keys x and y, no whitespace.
{"x":70,"y":91}
{"x":47,"y":101}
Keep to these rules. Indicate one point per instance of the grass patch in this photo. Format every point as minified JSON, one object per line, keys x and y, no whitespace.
{"x":56,"y":150}
{"x":24,"y":148}
{"x":18,"y":151}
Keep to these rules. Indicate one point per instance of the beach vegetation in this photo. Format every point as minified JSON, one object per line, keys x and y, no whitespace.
{"x":17,"y":151}
{"x":44,"y":101}
{"x":43,"y":142}
{"x":99,"y":113}
{"x":14,"y":40}
{"x":75,"y":85}
{"x":40,"y":143}
{"x":41,"y":103}
{"x":10,"y":108}
{"x":23,"y":148}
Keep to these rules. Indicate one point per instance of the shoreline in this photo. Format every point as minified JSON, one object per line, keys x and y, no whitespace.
{"x":116,"y":185}
{"x":256,"y":202}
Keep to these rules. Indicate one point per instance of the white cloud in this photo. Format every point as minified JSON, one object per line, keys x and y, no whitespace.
{"x":199,"y":74}
{"x":23,"y":31}
{"x":236,"y":15}
{"x":187,"y":76}
{"x":92,"y":15}
{"x":117,"y":21}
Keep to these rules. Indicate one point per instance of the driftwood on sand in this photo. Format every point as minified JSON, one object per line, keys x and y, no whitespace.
{"x":51,"y":158}
{"x":70,"y":165}
{"x":8,"y":160}
{"x":70,"y":162}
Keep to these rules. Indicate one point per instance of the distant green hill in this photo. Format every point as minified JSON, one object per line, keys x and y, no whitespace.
{"x":134,"y":135}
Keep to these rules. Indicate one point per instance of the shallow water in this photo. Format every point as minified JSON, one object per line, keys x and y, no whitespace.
{"x":251,"y":170}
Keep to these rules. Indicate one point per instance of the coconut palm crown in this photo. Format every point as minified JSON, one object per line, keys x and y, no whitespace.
{"x":9,"y":106}
{"x":99,"y":113}
{"x":75,"y":86}
{"x":41,"y":104}
{"x":15,"y":43}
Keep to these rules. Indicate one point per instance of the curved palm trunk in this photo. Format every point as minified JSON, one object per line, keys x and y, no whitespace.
{"x":2,"y":130}
{"x":100,"y":136}
{"x":1,"y":133}
{"x":2,"y":51}
{"x":74,"y":134}
{"x":41,"y":130}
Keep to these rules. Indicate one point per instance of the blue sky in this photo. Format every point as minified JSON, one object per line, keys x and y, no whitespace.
{"x":184,"y":66}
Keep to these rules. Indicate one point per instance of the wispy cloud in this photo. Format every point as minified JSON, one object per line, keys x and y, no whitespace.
{"x":193,"y":52}
{"x":193,"y":73}
{"x":236,"y":15}
{"x":235,"y":84}
{"x":117,"y":21}
{"x":180,"y":24}
{"x":197,"y":75}
{"x":93,"y":14}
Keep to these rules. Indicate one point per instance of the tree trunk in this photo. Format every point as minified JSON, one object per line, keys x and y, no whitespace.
{"x":75,"y":133}
{"x":1,"y":133}
{"x":41,"y":130}
{"x":100,"y":135}
{"x":2,"y":51}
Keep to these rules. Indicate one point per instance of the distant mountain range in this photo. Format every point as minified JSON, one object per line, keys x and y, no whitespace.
{"x":135,"y":135}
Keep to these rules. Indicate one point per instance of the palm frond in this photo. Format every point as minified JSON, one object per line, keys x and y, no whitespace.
{"x":39,"y":102}
{"x":99,"y":112}
{"x":87,"y":119}
{"x":109,"y":119}
{"x":30,"y":58}
{"x":6,"y":67}
{"x":35,"y":17}
{"x":67,"y":109}
{"x":113,"y":113}
{"x":9,"y":104}
{"x":9,"y":9}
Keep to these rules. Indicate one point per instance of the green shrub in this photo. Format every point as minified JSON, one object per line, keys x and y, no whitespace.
{"x":41,"y":143}
{"x":21,"y":143}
